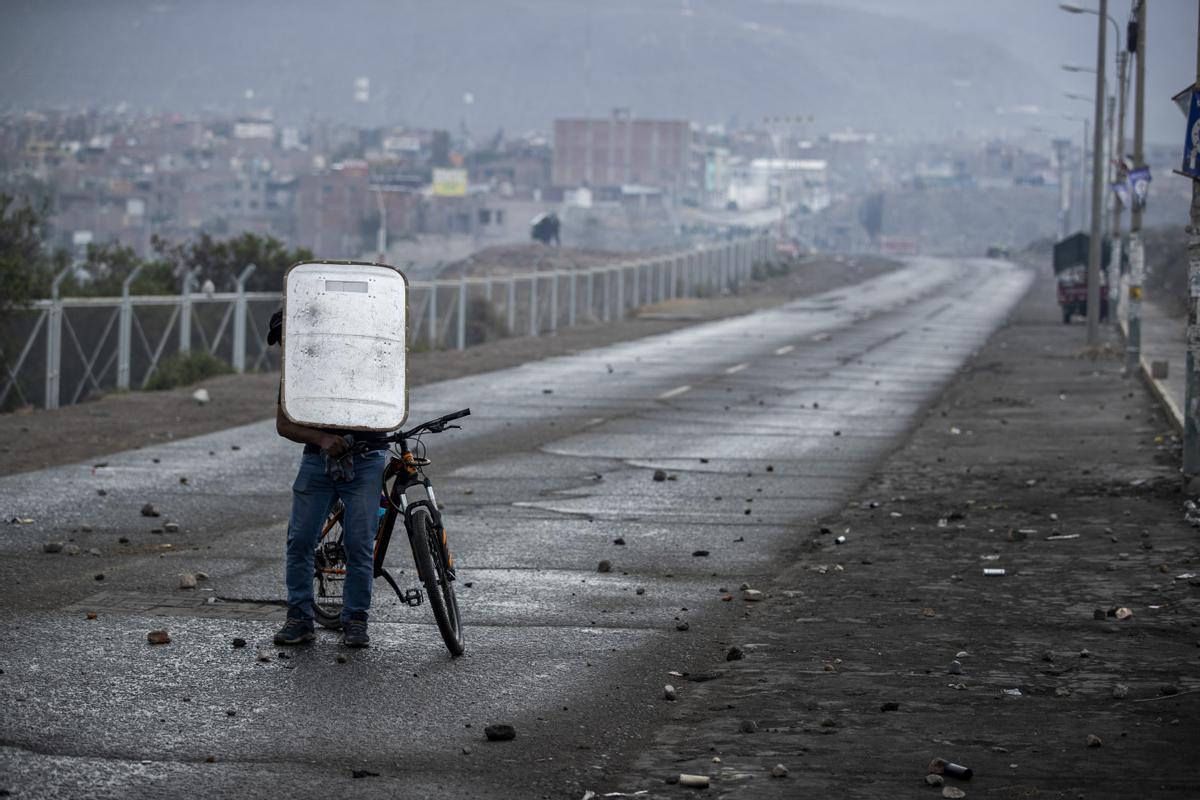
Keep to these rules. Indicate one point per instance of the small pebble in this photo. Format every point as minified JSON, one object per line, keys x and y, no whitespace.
{"x":187,"y":581}
{"x":748,"y":726}
{"x":734,"y":653}
{"x":1094,"y":741}
{"x":660,"y":475}
{"x":1120,"y":691}
{"x":890,"y":705}
{"x":52,"y":547}
{"x":934,"y":780}
{"x":239,"y":642}
{"x":682,"y":626}
{"x":640,"y":590}
{"x":779,"y":771}
{"x":669,"y":692}
{"x":955,"y":668}
{"x":171,"y":527}
{"x":604,"y":566}
{"x":158,"y":637}
{"x":953,"y":792}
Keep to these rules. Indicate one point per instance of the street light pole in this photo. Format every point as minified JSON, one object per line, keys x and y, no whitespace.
{"x":1093,"y":286}
{"x":1118,"y":156}
{"x":1137,"y":255}
{"x":1191,"y":405}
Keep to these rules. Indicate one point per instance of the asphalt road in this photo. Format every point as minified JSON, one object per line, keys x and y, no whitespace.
{"x":763,"y":423}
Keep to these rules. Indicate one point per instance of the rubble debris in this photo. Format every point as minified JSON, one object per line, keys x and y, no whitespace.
{"x":693,"y":781}
{"x":187,"y":581}
{"x":682,"y":626}
{"x":953,"y":792}
{"x":619,"y":541}
{"x":748,"y":726}
{"x":994,"y":571}
{"x":363,"y":773}
{"x":170,"y":527}
{"x":955,"y":668}
{"x":699,"y":553}
{"x":934,"y":780}
{"x":660,"y":475}
{"x":239,"y":642}
{"x":752,"y":595}
{"x":148,"y":510}
{"x":669,"y":692}
{"x":779,"y":771}
{"x":52,"y":547}
{"x":890,"y":705}
{"x":734,"y":653}
{"x":1120,"y":691}
{"x":1094,"y":741}
{"x":604,"y":566}
{"x":158,"y":637}
{"x":201,"y":396}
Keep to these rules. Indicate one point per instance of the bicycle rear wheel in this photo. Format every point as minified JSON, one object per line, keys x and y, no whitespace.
{"x":329,"y":574}
{"x":439,"y":587}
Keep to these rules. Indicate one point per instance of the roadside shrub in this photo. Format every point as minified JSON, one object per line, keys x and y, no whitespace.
{"x":184,"y":369}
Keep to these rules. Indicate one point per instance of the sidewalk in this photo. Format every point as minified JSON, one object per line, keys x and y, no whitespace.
{"x":868,"y":659}
{"x":1164,"y":339}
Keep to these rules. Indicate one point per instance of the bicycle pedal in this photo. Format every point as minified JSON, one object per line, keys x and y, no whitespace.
{"x":412,"y":597}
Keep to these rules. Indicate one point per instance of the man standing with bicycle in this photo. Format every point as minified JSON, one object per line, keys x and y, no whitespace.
{"x":336,"y":465}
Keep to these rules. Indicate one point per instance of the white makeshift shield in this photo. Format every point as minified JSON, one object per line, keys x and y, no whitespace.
{"x":345,"y":360}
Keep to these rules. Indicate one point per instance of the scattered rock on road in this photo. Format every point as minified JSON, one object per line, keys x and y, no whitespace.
{"x":363,"y":773}
{"x":752,"y":595}
{"x":953,"y":792}
{"x":734,"y":653}
{"x":1094,"y":741}
{"x":748,"y":726}
{"x":1120,"y":691}
{"x":201,"y":396}
{"x":500,"y":733}
{"x":52,"y":547}
{"x":779,"y":771}
{"x":239,"y":642}
{"x":604,"y":566}
{"x":171,"y":527}
{"x":660,"y":475}
{"x":148,"y":510}
{"x":693,"y":781}
{"x":934,"y":780}
{"x":158,"y":637}
{"x":187,"y":581}
{"x":890,"y":705}
{"x":955,"y":668}
{"x":682,"y":626}
{"x":669,"y":692}
{"x":699,"y":553}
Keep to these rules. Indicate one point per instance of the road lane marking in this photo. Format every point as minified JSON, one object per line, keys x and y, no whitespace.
{"x":783,"y":351}
{"x":678,"y":390}
{"x":736,"y":369}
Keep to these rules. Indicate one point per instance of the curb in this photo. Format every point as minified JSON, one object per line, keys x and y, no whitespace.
{"x":1174,"y":414}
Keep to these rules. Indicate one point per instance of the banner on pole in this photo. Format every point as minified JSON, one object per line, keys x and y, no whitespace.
{"x":1139,"y":187}
{"x":1191,"y":144}
{"x":1121,"y":190}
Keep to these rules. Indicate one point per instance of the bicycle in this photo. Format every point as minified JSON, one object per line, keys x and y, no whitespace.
{"x":426,"y":536}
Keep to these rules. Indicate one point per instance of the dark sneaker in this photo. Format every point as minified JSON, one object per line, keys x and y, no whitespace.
{"x":295,"y":631}
{"x":354,"y":633}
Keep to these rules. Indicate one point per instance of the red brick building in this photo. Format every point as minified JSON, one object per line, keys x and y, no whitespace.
{"x":622,"y":150}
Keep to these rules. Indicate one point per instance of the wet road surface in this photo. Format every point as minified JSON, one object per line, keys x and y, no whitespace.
{"x":763,"y":424}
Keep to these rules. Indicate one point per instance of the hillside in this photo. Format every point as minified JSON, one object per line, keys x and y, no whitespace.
{"x":525,"y":62}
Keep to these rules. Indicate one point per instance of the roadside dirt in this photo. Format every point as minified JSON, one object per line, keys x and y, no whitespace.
{"x":34,"y":439}
{"x":869,"y":659}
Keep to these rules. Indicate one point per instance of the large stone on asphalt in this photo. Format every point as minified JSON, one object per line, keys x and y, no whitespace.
{"x":500,"y":733}
{"x":158,"y":637}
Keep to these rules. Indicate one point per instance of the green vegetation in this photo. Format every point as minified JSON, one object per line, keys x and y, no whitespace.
{"x":184,"y":369}
{"x":26,"y":268}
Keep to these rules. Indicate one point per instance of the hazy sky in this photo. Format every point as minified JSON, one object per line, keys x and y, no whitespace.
{"x":1039,"y":32}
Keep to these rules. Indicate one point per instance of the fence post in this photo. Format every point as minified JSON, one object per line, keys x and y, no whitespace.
{"x":591,"y":293}
{"x":54,"y":342}
{"x":185,"y":311}
{"x":239,"y":320}
{"x":125,"y":330}
{"x":621,"y":291}
{"x":554,"y":301}
{"x":637,"y":272}
{"x":607,"y":293}
{"x":462,"y":312}
{"x":571,"y":293}
{"x":433,"y":330}
{"x":674,"y":276}
{"x":533,"y":304}
{"x":512,"y":306}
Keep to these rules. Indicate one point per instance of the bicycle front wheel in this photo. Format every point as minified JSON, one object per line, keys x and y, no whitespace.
{"x":430,"y":554}
{"x":329,"y":576}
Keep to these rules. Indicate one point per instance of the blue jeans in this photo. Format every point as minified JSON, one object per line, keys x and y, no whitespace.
{"x":313,"y":496}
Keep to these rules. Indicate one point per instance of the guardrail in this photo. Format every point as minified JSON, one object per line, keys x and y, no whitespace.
{"x":71,"y":348}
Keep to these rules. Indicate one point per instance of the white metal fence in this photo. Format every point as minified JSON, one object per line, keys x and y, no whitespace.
{"x":63,"y":350}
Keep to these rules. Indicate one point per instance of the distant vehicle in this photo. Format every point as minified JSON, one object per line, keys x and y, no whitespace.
{"x":1070,"y":269}
{"x":544,"y":228}
{"x":997,"y":251}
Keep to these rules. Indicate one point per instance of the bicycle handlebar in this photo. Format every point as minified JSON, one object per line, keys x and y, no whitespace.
{"x":433,"y":426}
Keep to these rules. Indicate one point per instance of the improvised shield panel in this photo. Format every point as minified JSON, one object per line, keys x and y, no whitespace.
{"x":344,"y":348}
{"x":1074,"y":250}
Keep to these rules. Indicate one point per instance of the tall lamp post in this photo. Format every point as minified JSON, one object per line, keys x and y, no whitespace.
{"x":1083,"y":154}
{"x":1093,"y":267}
{"x":1116,"y":157}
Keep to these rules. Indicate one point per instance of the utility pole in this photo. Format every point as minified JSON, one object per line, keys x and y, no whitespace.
{"x":1118,"y":154}
{"x":1137,"y":255}
{"x":1191,"y":405}
{"x":1093,"y":285}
